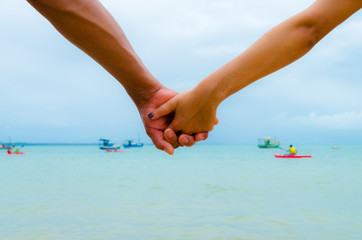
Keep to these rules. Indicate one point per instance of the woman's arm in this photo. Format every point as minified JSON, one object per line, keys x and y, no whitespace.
{"x":195,"y":110}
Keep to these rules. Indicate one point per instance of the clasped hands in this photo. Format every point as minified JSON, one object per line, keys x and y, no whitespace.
{"x":174,"y":119}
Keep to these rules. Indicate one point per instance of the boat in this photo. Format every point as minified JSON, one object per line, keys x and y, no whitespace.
{"x":292,"y":156}
{"x":108,"y":150}
{"x":132,"y":144}
{"x":16,"y":153}
{"x":335,"y":147}
{"x":106,"y":144}
{"x":267,"y":142}
{"x":6,"y":146}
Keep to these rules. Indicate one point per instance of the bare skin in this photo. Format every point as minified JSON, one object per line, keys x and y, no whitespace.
{"x":156,"y":128}
{"x":195,"y":110}
{"x":90,"y":27}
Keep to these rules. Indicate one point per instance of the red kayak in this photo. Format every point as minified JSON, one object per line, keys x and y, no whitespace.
{"x":292,"y":156}
{"x":18,"y":153}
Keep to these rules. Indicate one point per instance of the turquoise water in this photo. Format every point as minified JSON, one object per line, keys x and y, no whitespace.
{"x":205,"y":192}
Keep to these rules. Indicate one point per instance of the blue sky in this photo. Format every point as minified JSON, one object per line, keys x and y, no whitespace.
{"x":52,"y":92}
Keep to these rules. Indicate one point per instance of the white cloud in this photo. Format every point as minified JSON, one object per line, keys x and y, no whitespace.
{"x":338,"y":44}
{"x":350,"y":120}
{"x":220,"y":50}
{"x":345,"y":120}
{"x":181,"y":20}
{"x":297,"y":89}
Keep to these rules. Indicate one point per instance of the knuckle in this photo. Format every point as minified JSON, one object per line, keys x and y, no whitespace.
{"x":159,"y":147}
{"x":149,"y":133}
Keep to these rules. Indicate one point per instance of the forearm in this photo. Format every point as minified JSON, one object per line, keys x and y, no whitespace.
{"x":279,"y":47}
{"x":89,"y":26}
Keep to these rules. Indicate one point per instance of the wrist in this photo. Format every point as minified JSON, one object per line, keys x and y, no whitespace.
{"x":209,"y":94}
{"x":142,"y":93}
{"x":208,"y":89}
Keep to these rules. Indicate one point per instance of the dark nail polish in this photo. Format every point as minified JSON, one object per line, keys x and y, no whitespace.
{"x":150,"y":115}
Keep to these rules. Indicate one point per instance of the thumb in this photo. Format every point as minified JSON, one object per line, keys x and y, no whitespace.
{"x":216,"y":122}
{"x":163,"y":110}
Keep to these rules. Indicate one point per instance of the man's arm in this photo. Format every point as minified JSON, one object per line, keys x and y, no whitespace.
{"x":89,"y":26}
{"x":195,"y":110}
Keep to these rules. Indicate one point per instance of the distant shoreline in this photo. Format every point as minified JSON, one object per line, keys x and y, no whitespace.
{"x":57,"y":144}
{"x":53,"y":144}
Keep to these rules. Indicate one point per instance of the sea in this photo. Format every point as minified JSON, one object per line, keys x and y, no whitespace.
{"x":207,"y":192}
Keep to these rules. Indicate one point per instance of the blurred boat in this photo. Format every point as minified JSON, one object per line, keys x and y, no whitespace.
{"x":292,"y":156}
{"x":132,"y":144}
{"x":16,"y":153}
{"x":106,"y":144}
{"x":267,"y":142}
{"x":6,"y":146}
{"x":335,"y":147}
{"x":114,"y":150}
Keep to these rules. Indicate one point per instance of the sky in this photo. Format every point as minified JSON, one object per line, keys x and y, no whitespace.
{"x":52,"y":92}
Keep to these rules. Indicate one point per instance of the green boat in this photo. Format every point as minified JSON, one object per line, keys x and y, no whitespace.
{"x":267,"y":142}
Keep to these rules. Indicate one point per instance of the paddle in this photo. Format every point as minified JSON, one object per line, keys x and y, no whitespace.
{"x":283,"y":149}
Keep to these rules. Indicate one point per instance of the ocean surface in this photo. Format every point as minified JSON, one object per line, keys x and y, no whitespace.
{"x":208,"y":192}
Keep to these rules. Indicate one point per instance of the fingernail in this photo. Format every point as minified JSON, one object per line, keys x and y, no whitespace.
{"x":169,"y":135}
{"x":201,"y":139}
{"x":168,"y":152}
{"x":185,"y":141}
{"x":150,"y":115}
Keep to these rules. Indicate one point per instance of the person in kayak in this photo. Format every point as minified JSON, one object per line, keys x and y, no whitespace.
{"x":292,"y":150}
